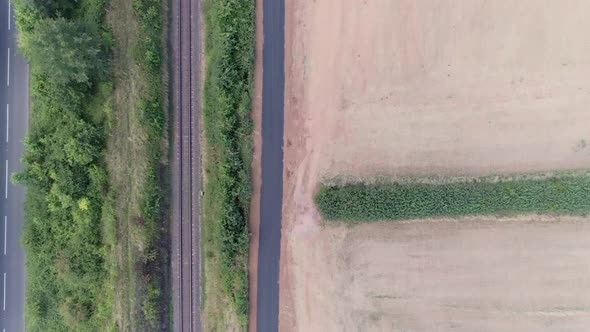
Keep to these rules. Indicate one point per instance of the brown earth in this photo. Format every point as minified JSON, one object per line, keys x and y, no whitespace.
{"x":403,"y":87}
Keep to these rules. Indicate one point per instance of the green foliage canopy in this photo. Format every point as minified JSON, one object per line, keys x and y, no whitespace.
{"x":64,"y":50}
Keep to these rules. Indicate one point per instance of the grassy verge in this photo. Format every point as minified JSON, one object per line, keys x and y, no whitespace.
{"x":68,"y":48}
{"x":359,"y":202}
{"x":137,"y":167}
{"x":227,"y":93}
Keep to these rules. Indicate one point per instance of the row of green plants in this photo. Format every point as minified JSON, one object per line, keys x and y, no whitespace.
{"x":64,"y":172}
{"x":227,"y":99}
{"x":148,"y":55}
{"x":410,"y":200}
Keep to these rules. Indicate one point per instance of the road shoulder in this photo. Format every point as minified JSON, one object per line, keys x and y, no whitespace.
{"x":254,"y":217}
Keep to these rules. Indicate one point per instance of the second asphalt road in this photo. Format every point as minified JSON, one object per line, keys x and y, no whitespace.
{"x":13,"y":126}
{"x":271,"y":191}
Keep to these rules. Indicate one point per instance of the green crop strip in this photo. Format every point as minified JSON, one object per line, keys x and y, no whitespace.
{"x":397,"y":201}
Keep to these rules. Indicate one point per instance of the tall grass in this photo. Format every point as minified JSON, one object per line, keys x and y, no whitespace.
{"x":229,"y":56}
{"x":152,"y":117}
{"x":359,"y":202}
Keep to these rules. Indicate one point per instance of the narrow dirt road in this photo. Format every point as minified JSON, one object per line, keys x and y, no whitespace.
{"x":186,"y":180}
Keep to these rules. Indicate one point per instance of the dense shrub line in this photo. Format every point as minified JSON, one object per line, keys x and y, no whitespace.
{"x":229,"y":52}
{"x":359,"y":202}
{"x":68,"y":51}
{"x":151,"y":114}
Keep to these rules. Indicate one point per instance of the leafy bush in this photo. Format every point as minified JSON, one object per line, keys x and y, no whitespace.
{"x":358,"y":202}
{"x":229,"y":52}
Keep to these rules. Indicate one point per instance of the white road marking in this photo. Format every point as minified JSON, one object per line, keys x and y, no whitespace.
{"x":5,"y":230}
{"x":8,"y":14}
{"x":6,"y":180}
{"x":7,"y":122}
{"x":4,"y":301}
{"x":8,"y":71}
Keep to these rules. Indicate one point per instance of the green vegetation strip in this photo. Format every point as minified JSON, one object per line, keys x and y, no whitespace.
{"x":69,"y":233}
{"x":397,"y":201}
{"x":227,"y":98}
{"x":68,"y":48}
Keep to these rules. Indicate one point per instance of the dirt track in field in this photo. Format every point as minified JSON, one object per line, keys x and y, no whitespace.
{"x":430,"y":87}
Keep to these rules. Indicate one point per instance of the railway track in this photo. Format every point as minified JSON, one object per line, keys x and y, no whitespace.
{"x":186,"y":169}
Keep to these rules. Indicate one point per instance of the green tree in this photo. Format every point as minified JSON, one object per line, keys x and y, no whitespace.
{"x":51,"y":8}
{"x":65,"y":51}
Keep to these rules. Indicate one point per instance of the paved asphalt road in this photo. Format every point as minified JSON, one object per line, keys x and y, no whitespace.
{"x":13,"y":126}
{"x":186,"y":173}
{"x":271,"y":191}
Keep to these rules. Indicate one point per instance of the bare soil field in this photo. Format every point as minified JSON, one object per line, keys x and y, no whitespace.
{"x":402,"y":88}
{"x":468,"y":275}
{"x":443,"y":86}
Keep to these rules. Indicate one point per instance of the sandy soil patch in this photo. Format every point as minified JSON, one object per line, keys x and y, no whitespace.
{"x":403,"y":87}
